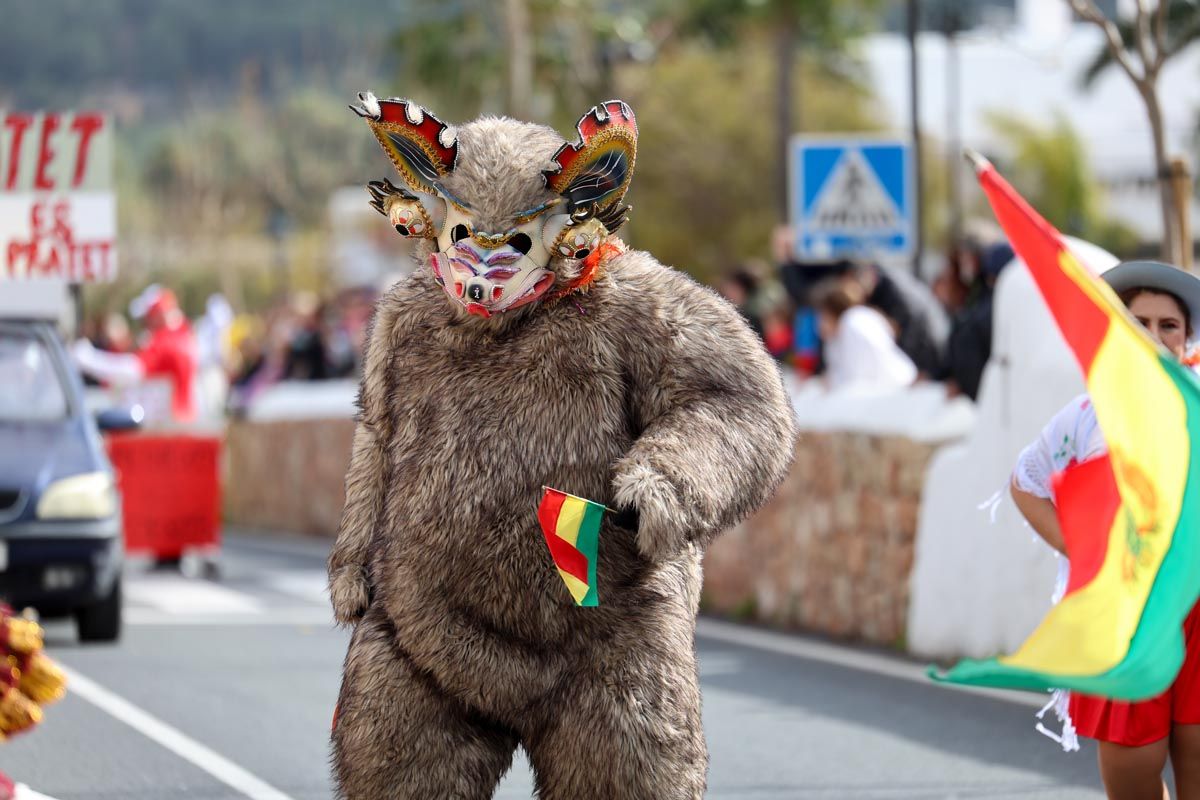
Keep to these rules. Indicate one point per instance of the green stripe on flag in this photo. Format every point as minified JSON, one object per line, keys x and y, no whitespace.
{"x":588,"y":543}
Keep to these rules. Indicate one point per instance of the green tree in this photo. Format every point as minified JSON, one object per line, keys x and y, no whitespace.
{"x":543,"y":59}
{"x":1049,"y":166}
{"x":821,"y":26}
{"x":702,"y":195}
{"x":238,"y":194}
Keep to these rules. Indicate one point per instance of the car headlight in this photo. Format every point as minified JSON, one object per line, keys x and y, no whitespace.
{"x":88,"y":496}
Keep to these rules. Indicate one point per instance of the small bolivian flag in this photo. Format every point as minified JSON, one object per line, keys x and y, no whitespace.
{"x":571,"y":526}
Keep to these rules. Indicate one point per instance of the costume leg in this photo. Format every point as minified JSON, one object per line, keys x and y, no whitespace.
{"x":630,"y":730}
{"x":399,"y":737}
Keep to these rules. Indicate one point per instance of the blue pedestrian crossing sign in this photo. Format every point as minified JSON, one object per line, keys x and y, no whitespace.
{"x":851,"y":197}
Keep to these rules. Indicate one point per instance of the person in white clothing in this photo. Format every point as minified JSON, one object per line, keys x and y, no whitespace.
{"x":859,"y":342}
{"x":1135,"y":739}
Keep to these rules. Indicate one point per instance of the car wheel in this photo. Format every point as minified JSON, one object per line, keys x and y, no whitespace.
{"x":101,"y":622}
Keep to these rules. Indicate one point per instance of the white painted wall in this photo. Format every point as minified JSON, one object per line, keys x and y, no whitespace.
{"x":922,"y":412}
{"x":980,"y":588}
{"x":298,"y":400}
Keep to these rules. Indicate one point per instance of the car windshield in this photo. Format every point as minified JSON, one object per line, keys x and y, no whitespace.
{"x":30,"y":386}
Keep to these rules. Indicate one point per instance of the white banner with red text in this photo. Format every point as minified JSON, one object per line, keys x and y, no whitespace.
{"x":57,"y":206}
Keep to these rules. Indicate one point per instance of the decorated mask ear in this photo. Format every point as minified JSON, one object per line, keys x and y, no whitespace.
{"x":564,"y":237}
{"x":413,"y":214}
{"x":424,"y":151}
{"x":593,"y":174}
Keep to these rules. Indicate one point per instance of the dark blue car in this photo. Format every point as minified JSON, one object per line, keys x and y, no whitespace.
{"x":60,"y":512}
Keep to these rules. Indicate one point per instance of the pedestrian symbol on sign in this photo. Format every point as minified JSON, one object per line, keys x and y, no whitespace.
{"x":851,"y":198}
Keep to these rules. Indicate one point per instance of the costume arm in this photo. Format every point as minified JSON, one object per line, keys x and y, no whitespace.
{"x":366,"y":479}
{"x":716,"y":427}
{"x":119,"y":368}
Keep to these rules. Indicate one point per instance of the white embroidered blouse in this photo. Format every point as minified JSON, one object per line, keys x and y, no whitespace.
{"x":1071,"y":436}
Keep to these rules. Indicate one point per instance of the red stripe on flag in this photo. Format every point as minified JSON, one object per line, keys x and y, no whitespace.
{"x":566,"y":557}
{"x":1081,"y":321}
{"x":548,"y":509}
{"x":1087,"y":500}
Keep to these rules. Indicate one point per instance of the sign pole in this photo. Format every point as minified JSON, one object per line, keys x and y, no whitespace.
{"x":914,"y":13}
{"x":77,"y":301}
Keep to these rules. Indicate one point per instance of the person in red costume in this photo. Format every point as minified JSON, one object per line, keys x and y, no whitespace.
{"x":169,"y":353}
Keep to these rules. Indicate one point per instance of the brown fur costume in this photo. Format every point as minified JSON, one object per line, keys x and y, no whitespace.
{"x":647,"y":391}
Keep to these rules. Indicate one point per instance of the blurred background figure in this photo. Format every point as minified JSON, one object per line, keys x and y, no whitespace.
{"x":921,"y":323}
{"x":763,"y":302}
{"x":114,"y":334}
{"x":970,"y":343}
{"x":859,"y":342}
{"x":168,"y":356}
{"x":213,"y":356}
{"x":305,"y":360}
{"x":249,"y":371}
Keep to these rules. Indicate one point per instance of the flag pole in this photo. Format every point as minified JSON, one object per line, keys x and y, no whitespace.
{"x":975,"y":159}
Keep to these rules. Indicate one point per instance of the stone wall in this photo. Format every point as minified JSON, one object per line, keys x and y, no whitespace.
{"x":287,"y":475}
{"x":833,"y":551}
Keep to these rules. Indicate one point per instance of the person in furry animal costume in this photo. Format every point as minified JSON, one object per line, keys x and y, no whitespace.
{"x":535,"y":350}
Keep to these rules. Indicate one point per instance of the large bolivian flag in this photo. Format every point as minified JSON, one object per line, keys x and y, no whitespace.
{"x":1129,"y":519}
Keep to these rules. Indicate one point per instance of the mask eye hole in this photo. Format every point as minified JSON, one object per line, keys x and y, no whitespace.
{"x":521,"y":243}
{"x":459,"y":233}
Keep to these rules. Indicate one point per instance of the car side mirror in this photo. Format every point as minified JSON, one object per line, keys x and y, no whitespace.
{"x":120,"y":419}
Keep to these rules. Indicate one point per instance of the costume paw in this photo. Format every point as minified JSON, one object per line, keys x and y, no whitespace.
{"x":661,"y":531}
{"x":350,"y":595}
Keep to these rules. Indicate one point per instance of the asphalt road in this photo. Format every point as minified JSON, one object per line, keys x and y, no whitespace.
{"x":225,"y":690}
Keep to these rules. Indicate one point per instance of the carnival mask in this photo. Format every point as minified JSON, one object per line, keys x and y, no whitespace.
{"x":490,"y":272}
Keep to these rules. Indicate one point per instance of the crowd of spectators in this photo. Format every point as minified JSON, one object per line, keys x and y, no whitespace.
{"x":298,"y":337}
{"x":845,"y":322}
{"x":856,"y":322}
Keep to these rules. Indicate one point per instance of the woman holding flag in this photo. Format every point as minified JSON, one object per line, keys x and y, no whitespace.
{"x":1135,"y":738}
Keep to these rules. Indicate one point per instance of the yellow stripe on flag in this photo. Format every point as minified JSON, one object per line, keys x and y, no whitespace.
{"x":1136,"y":402}
{"x":576,"y":587}
{"x":570,"y":517}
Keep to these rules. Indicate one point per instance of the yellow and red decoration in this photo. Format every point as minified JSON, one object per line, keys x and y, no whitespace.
{"x":28,"y":678}
{"x":594,"y":173}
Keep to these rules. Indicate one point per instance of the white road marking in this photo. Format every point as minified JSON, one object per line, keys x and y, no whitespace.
{"x":171,"y":738}
{"x":25,"y":793}
{"x":310,"y":585}
{"x":758,"y":639}
{"x":179,"y":595}
{"x":307,"y":615}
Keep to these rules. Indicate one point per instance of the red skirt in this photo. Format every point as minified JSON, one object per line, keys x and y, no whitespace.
{"x":1147,"y":721}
